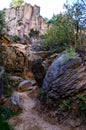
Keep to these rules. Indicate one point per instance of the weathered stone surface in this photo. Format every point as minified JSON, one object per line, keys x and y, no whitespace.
{"x":15,"y":78}
{"x":21,"y":19}
{"x":21,"y":100}
{"x":4,"y":40}
{"x":12,"y":59}
{"x":64,"y":78}
{"x":25,"y":85}
{"x":48,"y":61}
{"x":37,"y":47}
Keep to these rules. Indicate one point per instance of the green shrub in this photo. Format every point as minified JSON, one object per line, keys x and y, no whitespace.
{"x":8,"y":85}
{"x":69,"y":53}
{"x":4,"y":125}
{"x":41,"y":91}
{"x":67,"y":29}
{"x":60,"y":35}
{"x":34,"y":33}
{"x":82,"y":104}
{"x":79,"y":101}
{"x":14,"y":38}
{"x":5,"y":114}
{"x":16,"y":3}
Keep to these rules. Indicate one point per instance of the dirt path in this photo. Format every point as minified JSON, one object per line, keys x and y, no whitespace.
{"x":29,"y":120}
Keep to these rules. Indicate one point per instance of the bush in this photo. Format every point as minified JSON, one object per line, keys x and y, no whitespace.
{"x":9,"y":85}
{"x":68,"y":28}
{"x":16,"y":3}
{"x":61,"y":34}
{"x":4,"y":125}
{"x":34,"y":33}
{"x":14,"y":38}
{"x":69,"y":54}
{"x":5,"y":114}
{"x":82,"y":104}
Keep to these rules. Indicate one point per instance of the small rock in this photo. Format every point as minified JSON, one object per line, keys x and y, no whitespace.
{"x":25,"y":86}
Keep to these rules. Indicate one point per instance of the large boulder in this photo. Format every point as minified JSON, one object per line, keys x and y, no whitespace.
{"x":65,"y":77}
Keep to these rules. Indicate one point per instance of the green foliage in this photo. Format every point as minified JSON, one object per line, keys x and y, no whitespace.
{"x":50,"y":101}
{"x":67,"y":29}
{"x":4,"y":125}
{"x":34,"y":33}
{"x":9,"y":85}
{"x":5,"y":114}
{"x":41,"y":91}
{"x":5,"y":78}
{"x":77,"y":12}
{"x":79,"y":101}
{"x":69,"y":53}
{"x":16,"y":3}
{"x":65,"y":104}
{"x":5,"y":81}
{"x":61,"y":33}
{"x":82,"y":104}
{"x":2,"y":22}
{"x":14,"y":38}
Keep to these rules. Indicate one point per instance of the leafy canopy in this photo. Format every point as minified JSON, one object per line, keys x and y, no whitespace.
{"x":67,"y":29}
{"x":16,"y":3}
{"x":60,"y":33}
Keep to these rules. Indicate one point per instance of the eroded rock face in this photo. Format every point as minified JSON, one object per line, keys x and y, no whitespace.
{"x":21,"y":19}
{"x":12,"y":59}
{"x":64,"y":78}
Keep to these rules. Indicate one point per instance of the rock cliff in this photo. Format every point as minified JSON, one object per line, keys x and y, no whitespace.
{"x":21,"y":19}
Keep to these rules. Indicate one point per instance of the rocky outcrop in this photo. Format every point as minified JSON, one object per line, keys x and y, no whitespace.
{"x":65,"y":77}
{"x":21,"y":19}
{"x":4,"y":40}
{"x":19,"y":60}
{"x":12,"y":59}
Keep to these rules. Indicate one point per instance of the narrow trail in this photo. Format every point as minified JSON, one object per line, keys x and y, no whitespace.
{"x":29,"y":120}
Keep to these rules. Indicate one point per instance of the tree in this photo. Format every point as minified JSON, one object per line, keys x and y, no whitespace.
{"x":16,"y":3}
{"x":67,"y":29}
{"x":61,"y":33}
{"x":78,"y":14}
